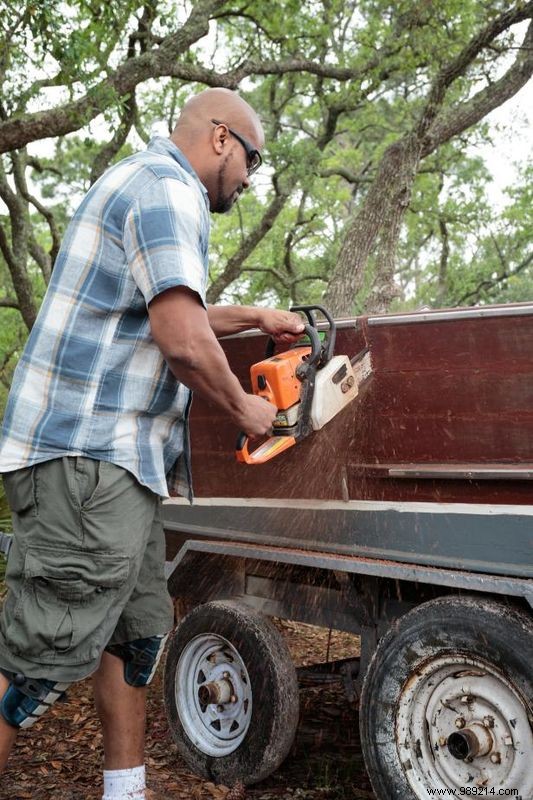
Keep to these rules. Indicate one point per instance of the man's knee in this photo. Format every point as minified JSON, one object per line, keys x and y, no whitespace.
{"x":140,"y":658}
{"x":27,"y":699}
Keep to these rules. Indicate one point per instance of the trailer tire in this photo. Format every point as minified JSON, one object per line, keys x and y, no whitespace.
{"x":447,"y":701}
{"x":224,"y":648}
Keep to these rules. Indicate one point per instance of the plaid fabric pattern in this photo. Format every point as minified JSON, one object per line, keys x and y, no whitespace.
{"x":91,"y":381}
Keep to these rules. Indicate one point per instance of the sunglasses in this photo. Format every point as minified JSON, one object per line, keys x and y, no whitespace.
{"x":253,"y":156}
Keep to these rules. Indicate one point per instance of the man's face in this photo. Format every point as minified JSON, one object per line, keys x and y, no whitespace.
{"x":233,"y":174}
{"x":230,"y":184}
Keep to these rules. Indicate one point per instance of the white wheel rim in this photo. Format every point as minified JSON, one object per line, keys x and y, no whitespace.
{"x":219,"y":728}
{"x":455,"y":694}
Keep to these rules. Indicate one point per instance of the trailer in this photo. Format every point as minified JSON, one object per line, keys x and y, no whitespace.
{"x":408,"y":520}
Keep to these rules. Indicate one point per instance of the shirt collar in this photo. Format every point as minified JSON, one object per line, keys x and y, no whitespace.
{"x":167,"y":148}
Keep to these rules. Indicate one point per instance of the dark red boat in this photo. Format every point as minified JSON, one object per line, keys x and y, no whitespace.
{"x":406,"y":519}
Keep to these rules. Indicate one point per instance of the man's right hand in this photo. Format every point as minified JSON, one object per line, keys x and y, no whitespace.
{"x":256,"y":416}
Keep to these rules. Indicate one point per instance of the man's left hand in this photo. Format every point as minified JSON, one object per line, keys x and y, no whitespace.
{"x":285,"y":327}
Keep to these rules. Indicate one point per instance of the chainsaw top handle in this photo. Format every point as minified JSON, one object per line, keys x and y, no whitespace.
{"x":314,"y":338}
{"x":332,"y":331}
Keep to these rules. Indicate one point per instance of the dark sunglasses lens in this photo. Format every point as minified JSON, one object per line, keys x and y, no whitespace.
{"x":254,"y":162}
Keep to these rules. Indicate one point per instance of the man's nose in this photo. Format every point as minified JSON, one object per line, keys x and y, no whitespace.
{"x":246,"y":183}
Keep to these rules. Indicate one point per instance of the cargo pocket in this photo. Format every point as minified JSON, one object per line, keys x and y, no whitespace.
{"x":62,"y":613}
{"x":21,"y":490}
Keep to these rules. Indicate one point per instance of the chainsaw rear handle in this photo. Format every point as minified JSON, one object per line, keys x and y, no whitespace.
{"x":273,"y":446}
{"x":314,"y":338}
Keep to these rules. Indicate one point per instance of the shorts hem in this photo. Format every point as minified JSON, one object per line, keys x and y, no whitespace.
{"x":60,"y":673}
{"x":130,"y":632}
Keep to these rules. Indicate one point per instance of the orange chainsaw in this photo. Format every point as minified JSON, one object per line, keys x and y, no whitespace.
{"x":307,"y":384}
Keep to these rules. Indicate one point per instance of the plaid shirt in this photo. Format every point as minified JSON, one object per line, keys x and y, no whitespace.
{"x":91,"y":381}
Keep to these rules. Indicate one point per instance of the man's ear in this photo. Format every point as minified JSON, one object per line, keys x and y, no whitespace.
{"x":220,"y":137}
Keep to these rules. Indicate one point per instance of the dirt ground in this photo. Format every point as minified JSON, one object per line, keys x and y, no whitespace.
{"x":60,"y":758}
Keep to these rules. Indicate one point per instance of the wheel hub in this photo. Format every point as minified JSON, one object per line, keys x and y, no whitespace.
{"x":219,"y":692}
{"x":470,"y":743}
{"x":213,"y":695}
{"x":462,"y":723}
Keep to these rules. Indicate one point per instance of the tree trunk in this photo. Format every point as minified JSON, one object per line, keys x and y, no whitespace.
{"x":375,"y":230}
{"x":376,"y":227}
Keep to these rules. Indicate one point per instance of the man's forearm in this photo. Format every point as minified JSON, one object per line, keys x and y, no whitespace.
{"x":187,"y":339}
{"x":181,"y":330}
{"x":207,"y":372}
{"x":225,"y":320}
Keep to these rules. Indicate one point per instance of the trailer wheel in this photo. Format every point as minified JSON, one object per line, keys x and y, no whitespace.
{"x":231,"y":693}
{"x":447,"y":703}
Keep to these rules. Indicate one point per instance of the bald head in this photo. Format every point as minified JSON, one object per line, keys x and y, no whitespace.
{"x":217,"y":151}
{"x":222,"y":104}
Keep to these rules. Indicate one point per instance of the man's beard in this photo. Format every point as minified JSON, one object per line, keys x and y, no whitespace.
{"x":223,"y":203}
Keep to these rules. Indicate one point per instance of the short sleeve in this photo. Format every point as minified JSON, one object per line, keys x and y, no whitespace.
{"x":162,"y":239}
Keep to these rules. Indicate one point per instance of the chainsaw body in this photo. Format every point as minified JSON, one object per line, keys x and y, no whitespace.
{"x":306,"y":383}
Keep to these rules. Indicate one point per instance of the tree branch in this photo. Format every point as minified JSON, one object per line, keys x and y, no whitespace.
{"x":458,"y":65}
{"x":444,"y":258}
{"x":271,"y":271}
{"x":490,"y":284}
{"x":5,"y":249}
{"x":16,"y":254}
{"x":343,"y":172}
{"x":39,"y":167}
{"x":234,"y":264}
{"x":40,"y":256}
{"x":43,"y":259}
{"x":111,"y":148}
{"x":15,"y":133}
{"x":163,"y":62}
{"x":6,"y":302}
{"x":454,"y":121}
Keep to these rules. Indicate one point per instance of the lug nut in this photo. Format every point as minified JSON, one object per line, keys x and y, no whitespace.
{"x":442,"y":741}
{"x":220,"y":709}
{"x":233,"y":698}
{"x":496,"y":758}
{"x":460,"y":722}
{"x":488,"y":722}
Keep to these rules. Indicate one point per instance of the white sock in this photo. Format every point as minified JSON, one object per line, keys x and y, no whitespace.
{"x":124,"y":784}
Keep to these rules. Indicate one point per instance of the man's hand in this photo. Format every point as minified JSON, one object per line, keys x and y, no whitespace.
{"x":285,"y":327}
{"x":256,"y":417}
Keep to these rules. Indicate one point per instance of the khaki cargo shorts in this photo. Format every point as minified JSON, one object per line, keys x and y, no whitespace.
{"x":86,"y":567}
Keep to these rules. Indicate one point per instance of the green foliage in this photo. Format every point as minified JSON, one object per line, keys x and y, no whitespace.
{"x":324,"y":137}
{"x":5,"y":515}
{"x":12,"y":337}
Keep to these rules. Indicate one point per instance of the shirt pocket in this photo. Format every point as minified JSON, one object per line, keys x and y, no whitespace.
{"x":68,"y":605}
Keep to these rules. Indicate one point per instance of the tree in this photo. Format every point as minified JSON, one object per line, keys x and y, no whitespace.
{"x":368,"y":107}
{"x":378,"y":221}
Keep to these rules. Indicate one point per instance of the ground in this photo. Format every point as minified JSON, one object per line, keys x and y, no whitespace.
{"x":60,"y":757}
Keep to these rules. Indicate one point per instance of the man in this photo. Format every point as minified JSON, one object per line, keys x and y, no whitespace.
{"x":95,"y":431}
